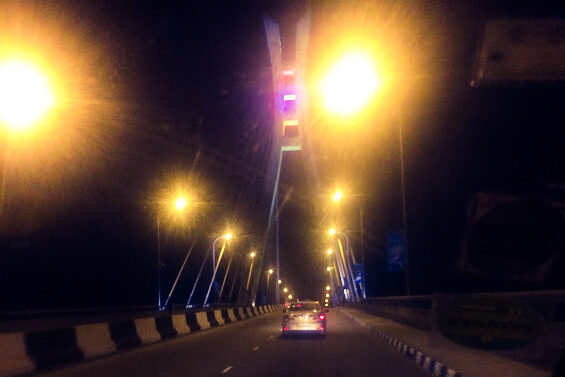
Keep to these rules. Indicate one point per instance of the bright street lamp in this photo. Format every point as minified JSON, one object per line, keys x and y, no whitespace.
{"x":290,"y":297}
{"x":330,"y":251}
{"x":328,"y":268}
{"x":252,"y":254}
{"x":180,"y":204}
{"x":270,"y":271}
{"x":332,"y":231}
{"x":227,"y":236}
{"x":337,"y":196}
{"x":327,"y":288}
{"x":327,"y":295}
{"x":279,"y":282}
{"x":25,"y":94}
{"x":285,"y":289}
{"x":350,"y":83}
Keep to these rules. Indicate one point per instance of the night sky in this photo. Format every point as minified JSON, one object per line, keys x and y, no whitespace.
{"x":168,"y":95}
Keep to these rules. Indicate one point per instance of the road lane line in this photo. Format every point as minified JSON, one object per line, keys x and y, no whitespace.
{"x":255,"y":348}
{"x":227,"y":369}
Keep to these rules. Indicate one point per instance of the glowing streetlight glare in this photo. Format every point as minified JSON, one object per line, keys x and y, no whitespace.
{"x":337,"y":196}
{"x":25,"y":94}
{"x":228,"y":235}
{"x":332,"y":231}
{"x":328,"y":268}
{"x":252,"y":254}
{"x":290,"y":297}
{"x":326,"y":300}
{"x":330,"y":251}
{"x":279,"y":282}
{"x":327,"y":287}
{"x":180,"y":203}
{"x":350,"y":83}
{"x":285,"y":289}
{"x":271,"y":271}
{"x":327,"y":295}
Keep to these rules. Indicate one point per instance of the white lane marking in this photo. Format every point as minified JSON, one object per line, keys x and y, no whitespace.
{"x":255,"y":348}
{"x":226,"y":370}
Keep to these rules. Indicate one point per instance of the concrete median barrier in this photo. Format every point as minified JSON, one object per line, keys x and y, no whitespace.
{"x":147,"y":330}
{"x":53,"y":347}
{"x":165,"y":326}
{"x":124,"y":334}
{"x":219,"y":318}
{"x":180,"y":324}
{"x":241,"y":315}
{"x":14,"y":359}
{"x":25,"y":352}
{"x":231,"y":314}
{"x":203,"y":321}
{"x":95,"y":339}
{"x":192,"y":321}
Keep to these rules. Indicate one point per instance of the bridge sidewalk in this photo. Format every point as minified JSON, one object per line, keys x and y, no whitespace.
{"x":435,"y":350}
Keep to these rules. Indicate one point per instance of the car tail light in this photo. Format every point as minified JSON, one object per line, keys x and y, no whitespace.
{"x":322,"y":317}
{"x":285,"y":328}
{"x":321,"y":328}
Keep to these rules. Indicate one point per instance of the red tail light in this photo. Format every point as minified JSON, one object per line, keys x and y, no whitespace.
{"x":322,"y":317}
{"x":285,"y":328}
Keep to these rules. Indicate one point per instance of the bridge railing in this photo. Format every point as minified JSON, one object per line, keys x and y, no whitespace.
{"x":427,"y":312}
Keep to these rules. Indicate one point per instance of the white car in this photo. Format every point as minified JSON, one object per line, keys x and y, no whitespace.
{"x":304,"y":317}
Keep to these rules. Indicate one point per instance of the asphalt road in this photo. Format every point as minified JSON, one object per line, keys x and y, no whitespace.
{"x":254,"y":348}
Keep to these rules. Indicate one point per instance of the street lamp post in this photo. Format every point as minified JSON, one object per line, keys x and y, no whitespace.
{"x":336,"y":275}
{"x":403,"y":189}
{"x":210,"y":251}
{"x":342,"y":272}
{"x":198,"y":277}
{"x":180,"y":204}
{"x":361,"y":289}
{"x":224,"y":281}
{"x":348,"y":270}
{"x":226,"y":238}
{"x":179,"y":273}
{"x":158,"y":262}
{"x":269,"y":273}
{"x":252,"y":256}
{"x":337,"y":198}
{"x":345,"y":262}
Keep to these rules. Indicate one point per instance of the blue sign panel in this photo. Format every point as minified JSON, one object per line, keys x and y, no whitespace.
{"x":395,"y":251}
{"x":358,"y":272}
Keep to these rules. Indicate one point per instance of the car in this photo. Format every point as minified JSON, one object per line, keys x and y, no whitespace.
{"x":304,"y":317}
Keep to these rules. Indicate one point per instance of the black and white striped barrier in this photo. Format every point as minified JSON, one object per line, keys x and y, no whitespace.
{"x":24,"y":352}
{"x":433,"y":366}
